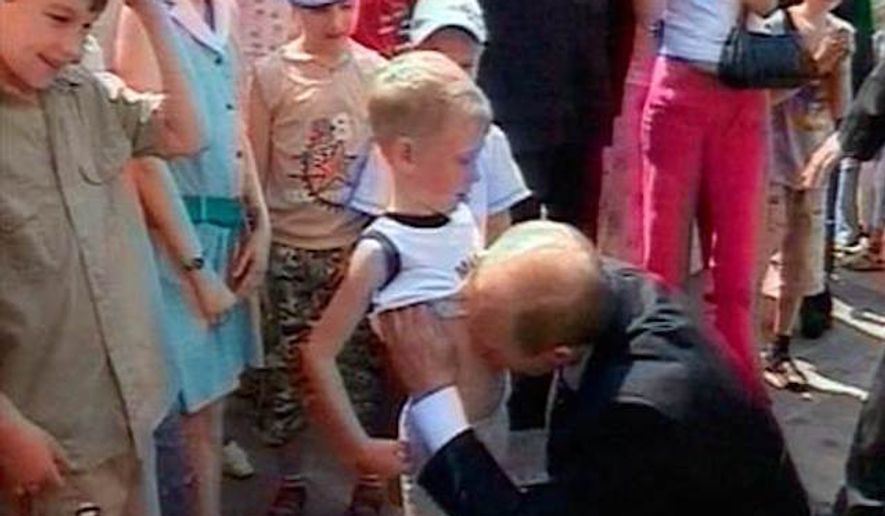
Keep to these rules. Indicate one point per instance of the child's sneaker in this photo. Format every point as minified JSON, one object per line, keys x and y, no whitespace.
{"x":290,"y":498}
{"x":235,"y":461}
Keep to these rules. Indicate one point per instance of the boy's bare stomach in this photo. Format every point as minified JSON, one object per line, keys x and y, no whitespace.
{"x":481,"y":386}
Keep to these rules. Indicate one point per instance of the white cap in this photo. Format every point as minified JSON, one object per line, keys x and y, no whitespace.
{"x":430,"y":16}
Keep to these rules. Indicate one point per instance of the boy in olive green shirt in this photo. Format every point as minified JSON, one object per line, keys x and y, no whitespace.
{"x":81,"y":373}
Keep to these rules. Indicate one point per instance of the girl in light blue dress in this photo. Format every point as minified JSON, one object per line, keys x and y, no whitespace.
{"x":217,"y":200}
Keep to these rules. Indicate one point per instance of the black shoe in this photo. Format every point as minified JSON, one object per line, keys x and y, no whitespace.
{"x":816,"y":315}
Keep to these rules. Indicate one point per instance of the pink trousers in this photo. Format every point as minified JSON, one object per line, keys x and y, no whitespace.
{"x":704,"y":148}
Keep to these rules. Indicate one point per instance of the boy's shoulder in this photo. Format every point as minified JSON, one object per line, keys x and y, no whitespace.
{"x":293,"y":58}
{"x":366,"y":59}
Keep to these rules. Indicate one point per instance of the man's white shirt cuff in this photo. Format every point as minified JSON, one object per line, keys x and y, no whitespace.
{"x":439,"y":417}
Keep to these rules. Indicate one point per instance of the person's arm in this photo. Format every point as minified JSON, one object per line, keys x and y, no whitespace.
{"x":860,"y":136}
{"x":178,"y":131}
{"x":504,"y":182}
{"x":31,"y":460}
{"x":630,"y":449}
{"x":250,"y":264}
{"x":863,"y":130}
{"x":259,"y":125}
{"x":760,"y":7}
{"x":327,"y":400}
{"x":136,"y":63}
{"x":496,"y":225}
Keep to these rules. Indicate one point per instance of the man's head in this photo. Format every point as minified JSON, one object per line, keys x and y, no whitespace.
{"x":536,"y":294}
{"x":452,"y":27}
{"x":326,"y":25}
{"x":40,"y":37}
{"x":429,"y":119}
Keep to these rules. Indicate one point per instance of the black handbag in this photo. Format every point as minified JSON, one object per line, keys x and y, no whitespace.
{"x":760,"y":60}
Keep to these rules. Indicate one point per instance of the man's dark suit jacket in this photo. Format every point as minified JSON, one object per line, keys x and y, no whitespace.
{"x":658,"y":426}
{"x":863,"y":131}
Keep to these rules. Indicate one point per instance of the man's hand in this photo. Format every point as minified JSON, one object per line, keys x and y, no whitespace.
{"x":31,"y":461}
{"x":419,"y":349}
{"x":822,"y":162}
{"x":250,"y":262}
{"x":383,"y":457}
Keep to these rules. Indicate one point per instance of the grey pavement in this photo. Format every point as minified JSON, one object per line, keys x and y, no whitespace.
{"x":818,"y":430}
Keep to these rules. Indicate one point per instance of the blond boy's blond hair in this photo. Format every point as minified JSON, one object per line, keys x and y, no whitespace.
{"x":417,"y":93}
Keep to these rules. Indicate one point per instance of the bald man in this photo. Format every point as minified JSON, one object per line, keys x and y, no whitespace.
{"x":648,"y":419}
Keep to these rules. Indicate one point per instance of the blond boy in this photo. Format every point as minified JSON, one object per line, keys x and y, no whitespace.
{"x":429,"y":120}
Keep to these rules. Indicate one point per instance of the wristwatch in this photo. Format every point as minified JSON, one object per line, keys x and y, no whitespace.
{"x":195,"y":263}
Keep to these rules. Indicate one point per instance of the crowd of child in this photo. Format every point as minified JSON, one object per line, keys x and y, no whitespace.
{"x":222,"y":191}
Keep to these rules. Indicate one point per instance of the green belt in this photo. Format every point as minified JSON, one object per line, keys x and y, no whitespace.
{"x":223,"y":212}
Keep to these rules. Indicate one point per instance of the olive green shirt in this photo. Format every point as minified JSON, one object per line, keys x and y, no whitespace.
{"x":79,"y":353}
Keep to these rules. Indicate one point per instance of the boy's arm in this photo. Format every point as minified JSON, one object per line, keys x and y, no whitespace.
{"x":327,"y":399}
{"x":147,"y":58}
{"x":760,"y":7}
{"x":250,"y":264}
{"x":497,"y":224}
{"x":259,"y":123}
{"x":31,"y":460}
{"x":136,"y":64}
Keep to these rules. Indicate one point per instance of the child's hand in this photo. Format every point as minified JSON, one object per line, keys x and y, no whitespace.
{"x":213,"y":295}
{"x":250,"y":262}
{"x":31,"y":460}
{"x":831,"y":50}
{"x":824,"y":159}
{"x":383,"y":457}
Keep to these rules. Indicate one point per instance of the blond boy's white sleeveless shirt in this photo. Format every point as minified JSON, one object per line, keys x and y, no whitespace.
{"x":433,"y":261}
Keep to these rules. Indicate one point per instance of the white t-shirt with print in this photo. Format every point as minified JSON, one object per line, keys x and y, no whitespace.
{"x":433,"y":261}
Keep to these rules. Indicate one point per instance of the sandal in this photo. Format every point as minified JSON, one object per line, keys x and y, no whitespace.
{"x":781,"y":372}
{"x":863,"y":262}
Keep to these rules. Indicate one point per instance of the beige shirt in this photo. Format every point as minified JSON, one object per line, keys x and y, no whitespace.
{"x":78,"y":352}
{"x":319,"y":134}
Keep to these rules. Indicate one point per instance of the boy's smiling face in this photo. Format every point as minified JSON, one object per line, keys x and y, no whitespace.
{"x":40,"y":37}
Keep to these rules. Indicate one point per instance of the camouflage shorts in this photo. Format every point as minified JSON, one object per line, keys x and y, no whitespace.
{"x":300,"y":284}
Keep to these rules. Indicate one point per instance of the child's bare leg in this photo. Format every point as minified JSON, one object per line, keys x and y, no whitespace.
{"x":203,"y":437}
{"x":795,"y":271}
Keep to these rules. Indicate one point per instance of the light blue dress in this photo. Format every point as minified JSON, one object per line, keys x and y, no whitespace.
{"x":208,"y":359}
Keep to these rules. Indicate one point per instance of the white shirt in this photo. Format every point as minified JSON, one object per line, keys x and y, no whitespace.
{"x":696,"y":30}
{"x":434,"y":261}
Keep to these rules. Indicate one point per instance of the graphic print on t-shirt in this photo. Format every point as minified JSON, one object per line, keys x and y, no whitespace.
{"x":323,"y":169}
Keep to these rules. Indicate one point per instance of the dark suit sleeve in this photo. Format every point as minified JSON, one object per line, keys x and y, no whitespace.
{"x":863,"y":130}
{"x":629,"y":458}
